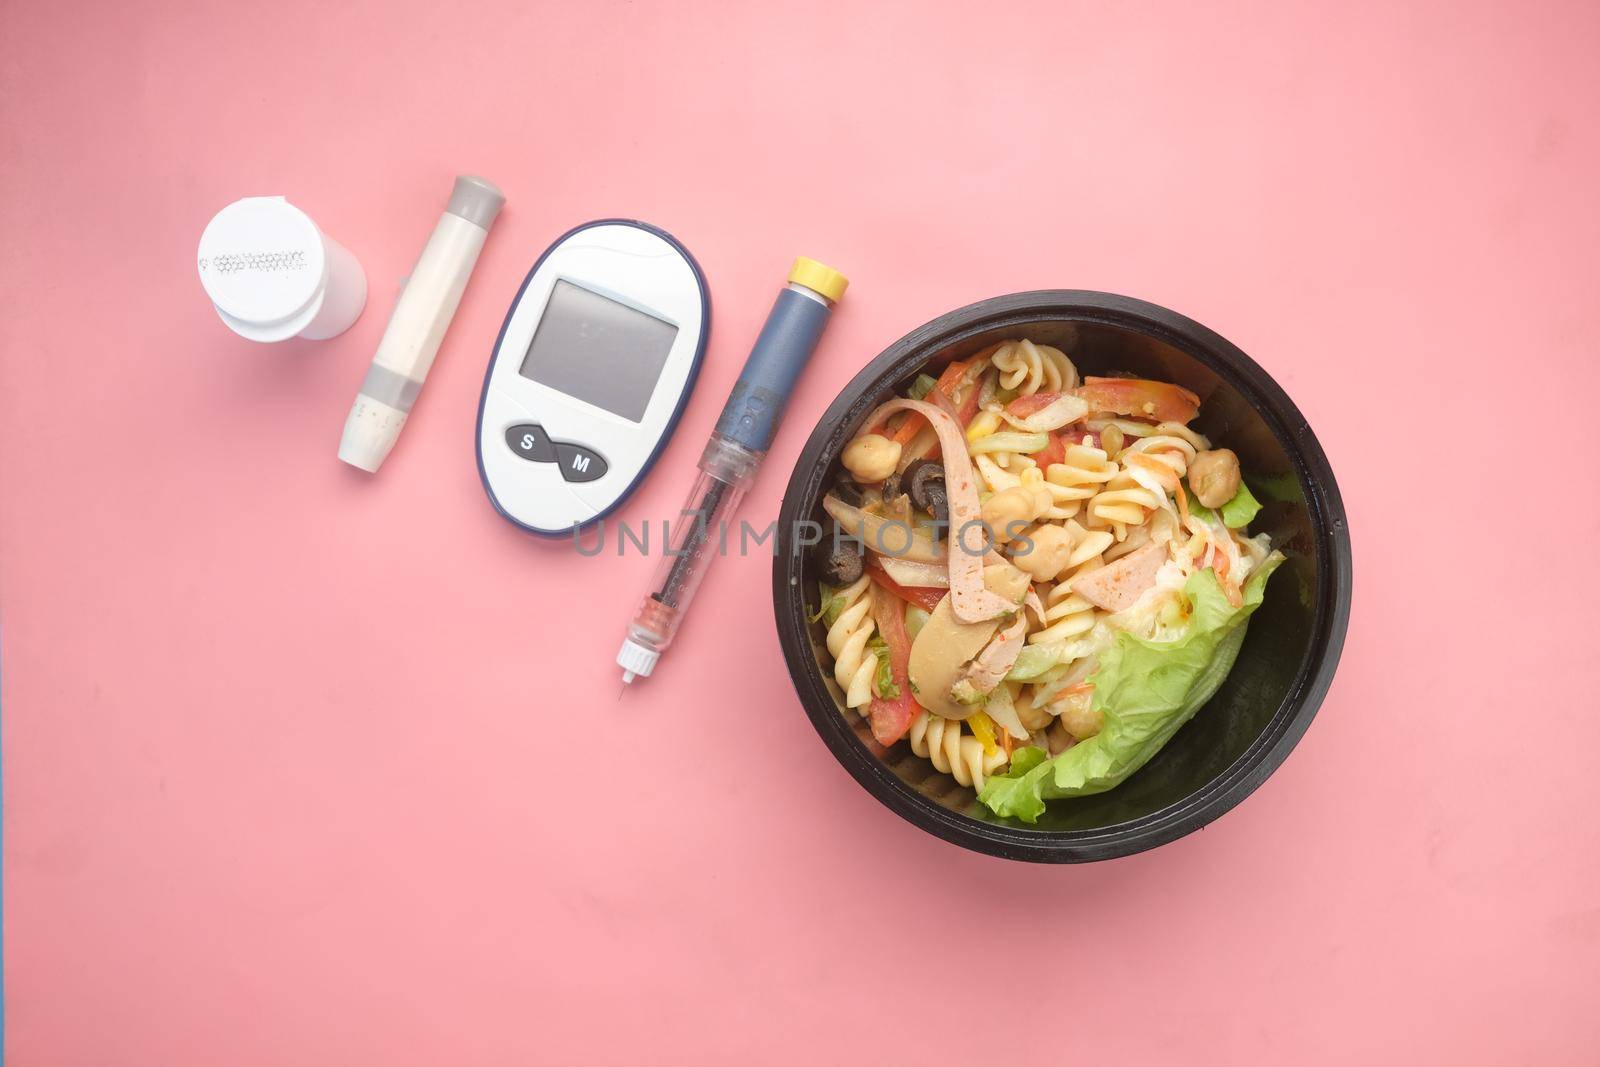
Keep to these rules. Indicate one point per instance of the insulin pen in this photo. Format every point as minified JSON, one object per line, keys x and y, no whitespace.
{"x":728,"y":465}
{"x":422,"y":315}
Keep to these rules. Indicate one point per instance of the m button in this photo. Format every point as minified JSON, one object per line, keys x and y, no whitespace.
{"x":578,"y":464}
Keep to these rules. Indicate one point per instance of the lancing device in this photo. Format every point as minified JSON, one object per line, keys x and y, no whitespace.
{"x":421,"y":317}
{"x":728,"y":465}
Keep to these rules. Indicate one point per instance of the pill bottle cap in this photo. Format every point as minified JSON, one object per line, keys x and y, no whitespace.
{"x":263,"y":264}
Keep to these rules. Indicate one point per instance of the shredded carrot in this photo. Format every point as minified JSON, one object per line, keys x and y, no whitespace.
{"x":1221,"y":565}
{"x":1163,"y":473}
{"x":1072,"y":691}
{"x":1183,"y":503}
{"x":952,"y":374}
{"x":909,"y":426}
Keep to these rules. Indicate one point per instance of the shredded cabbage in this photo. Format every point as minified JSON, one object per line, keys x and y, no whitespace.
{"x":1010,"y":442}
{"x":916,"y":619}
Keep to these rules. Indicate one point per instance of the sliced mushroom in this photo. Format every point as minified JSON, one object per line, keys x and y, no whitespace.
{"x":884,"y":536}
{"x":946,"y":644}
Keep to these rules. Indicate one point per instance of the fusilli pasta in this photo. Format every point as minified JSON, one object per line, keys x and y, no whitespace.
{"x":853,"y":664}
{"x":1077,"y":478}
{"x":939,"y":740}
{"x":1028,"y":368}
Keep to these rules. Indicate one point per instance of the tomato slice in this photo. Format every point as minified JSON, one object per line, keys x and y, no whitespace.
{"x":1054,"y":452}
{"x":1161,"y":401}
{"x":892,"y":718}
{"x":925,"y":597}
{"x":1023,"y":406}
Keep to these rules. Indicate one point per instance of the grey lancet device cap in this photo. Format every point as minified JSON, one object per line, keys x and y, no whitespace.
{"x":475,"y":199}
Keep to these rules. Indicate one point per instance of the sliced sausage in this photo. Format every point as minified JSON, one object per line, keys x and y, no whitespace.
{"x":1116,"y":586}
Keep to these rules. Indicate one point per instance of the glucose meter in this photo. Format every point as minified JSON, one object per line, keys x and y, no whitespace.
{"x":589,"y":375}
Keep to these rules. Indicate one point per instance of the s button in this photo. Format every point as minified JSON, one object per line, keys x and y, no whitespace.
{"x":529,"y":441}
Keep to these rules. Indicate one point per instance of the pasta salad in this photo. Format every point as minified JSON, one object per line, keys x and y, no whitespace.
{"x":1035,"y":580}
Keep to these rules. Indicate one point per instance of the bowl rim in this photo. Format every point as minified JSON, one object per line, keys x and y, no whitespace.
{"x":1331,"y":549}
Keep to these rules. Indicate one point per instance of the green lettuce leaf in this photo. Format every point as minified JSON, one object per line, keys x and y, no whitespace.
{"x":832,"y":604}
{"x":1146,"y":690}
{"x":883,"y":680}
{"x":1236,"y":513}
{"x":921,"y":387}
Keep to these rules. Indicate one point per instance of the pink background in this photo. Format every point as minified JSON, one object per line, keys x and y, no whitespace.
{"x":303,"y":766}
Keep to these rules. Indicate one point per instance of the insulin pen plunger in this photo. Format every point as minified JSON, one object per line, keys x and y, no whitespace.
{"x":421,"y":316}
{"x":728,"y":465}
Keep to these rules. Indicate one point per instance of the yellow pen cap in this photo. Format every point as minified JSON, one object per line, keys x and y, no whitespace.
{"x":818,"y":277}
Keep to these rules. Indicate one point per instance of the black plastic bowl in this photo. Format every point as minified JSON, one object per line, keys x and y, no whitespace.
{"x":1288,"y":658}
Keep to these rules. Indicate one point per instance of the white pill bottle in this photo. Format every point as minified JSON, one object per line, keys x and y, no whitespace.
{"x":272,"y":274}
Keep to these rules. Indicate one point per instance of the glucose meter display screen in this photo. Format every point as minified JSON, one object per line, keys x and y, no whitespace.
{"x":598,"y":350}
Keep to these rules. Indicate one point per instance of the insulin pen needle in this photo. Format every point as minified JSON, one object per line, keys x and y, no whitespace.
{"x":728,"y":465}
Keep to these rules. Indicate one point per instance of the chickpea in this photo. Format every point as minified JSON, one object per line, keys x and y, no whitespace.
{"x":1111,"y":440}
{"x":1078,"y":715}
{"x":871,"y":458}
{"x":1008,"y":512}
{"x":1032,"y":717}
{"x":1033,"y":481}
{"x":1057,"y":739}
{"x":1214,"y":476}
{"x":1052,"y":547}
